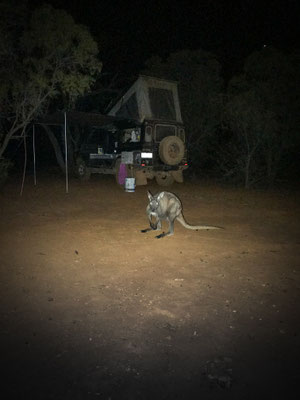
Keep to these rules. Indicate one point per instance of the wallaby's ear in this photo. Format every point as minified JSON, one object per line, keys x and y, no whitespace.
{"x":160,"y":196}
{"x":150,"y":197}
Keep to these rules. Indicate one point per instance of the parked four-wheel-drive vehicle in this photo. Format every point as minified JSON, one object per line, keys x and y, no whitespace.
{"x":145,"y":133}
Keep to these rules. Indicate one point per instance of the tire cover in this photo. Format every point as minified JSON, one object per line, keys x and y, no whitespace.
{"x":171,"y":150}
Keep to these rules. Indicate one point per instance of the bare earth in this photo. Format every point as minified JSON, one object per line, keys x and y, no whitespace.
{"x":93,"y":309}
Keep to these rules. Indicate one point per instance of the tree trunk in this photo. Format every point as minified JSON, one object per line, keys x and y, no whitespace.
{"x":270,"y":168}
{"x":247,"y":171}
{"x":56,"y":146}
{"x":71,"y":161}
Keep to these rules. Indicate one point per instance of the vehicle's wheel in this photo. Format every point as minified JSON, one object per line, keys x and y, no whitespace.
{"x":164,"y":179}
{"x":82,"y":171}
{"x":171,"y":150}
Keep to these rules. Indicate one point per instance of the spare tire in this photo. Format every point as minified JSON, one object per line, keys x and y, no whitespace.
{"x":171,"y":150}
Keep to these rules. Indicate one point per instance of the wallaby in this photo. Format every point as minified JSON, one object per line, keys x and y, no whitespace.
{"x":166,"y":205}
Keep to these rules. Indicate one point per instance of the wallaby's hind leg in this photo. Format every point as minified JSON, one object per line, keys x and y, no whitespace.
{"x":170,"y":232}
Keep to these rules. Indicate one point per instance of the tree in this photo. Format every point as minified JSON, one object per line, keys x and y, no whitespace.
{"x":200,"y":91}
{"x":250,"y":124}
{"x":44,"y":57}
{"x":263,"y":113}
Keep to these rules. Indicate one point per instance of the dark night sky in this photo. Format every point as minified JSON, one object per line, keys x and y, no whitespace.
{"x":130,"y":31}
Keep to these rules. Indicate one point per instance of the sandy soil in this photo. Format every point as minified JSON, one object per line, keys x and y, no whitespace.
{"x":93,"y":309}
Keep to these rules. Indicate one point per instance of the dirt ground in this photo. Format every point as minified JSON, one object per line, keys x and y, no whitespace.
{"x":93,"y":309}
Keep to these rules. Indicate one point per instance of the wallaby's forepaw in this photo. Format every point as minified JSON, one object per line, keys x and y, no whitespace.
{"x":146,"y":230}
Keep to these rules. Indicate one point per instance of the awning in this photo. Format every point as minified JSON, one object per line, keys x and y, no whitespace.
{"x":86,"y":119}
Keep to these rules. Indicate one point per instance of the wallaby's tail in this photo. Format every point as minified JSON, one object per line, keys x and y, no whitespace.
{"x":181,"y":219}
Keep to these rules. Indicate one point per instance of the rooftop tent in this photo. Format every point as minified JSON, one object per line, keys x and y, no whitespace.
{"x":149,"y":98}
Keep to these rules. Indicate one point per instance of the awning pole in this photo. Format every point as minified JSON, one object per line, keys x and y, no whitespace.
{"x":34,"y":160}
{"x":66,"y":155}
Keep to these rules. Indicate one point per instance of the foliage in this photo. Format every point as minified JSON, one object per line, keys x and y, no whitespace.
{"x":261,"y":112}
{"x":200,"y":91}
{"x":43,"y":56}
